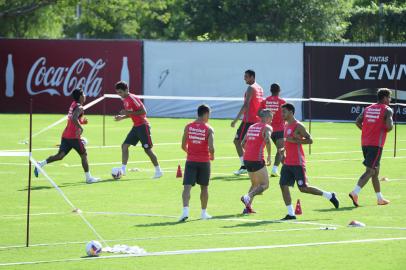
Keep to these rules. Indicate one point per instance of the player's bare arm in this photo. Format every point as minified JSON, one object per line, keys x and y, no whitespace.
{"x":140,"y":111}
{"x":268,"y":141}
{"x":301,"y":136}
{"x":76,"y":119}
{"x":244,"y":107}
{"x":184,"y":140}
{"x":211,"y":143}
{"x":359,"y":120}
{"x":389,"y":119}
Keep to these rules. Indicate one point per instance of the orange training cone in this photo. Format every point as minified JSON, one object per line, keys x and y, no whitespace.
{"x":298,"y":209}
{"x":179,"y":172}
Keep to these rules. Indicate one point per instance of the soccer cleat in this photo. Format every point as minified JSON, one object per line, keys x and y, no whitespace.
{"x":92,"y":180}
{"x":183,"y":218}
{"x":158,"y":174}
{"x":334,"y":200}
{"x":205,"y":216}
{"x":289,"y":217}
{"x":275,"y":174}
{"x":36,"y":173}
{"x":354,"y":198}
{"x":241,"y":170}
{"x":383,"y":202}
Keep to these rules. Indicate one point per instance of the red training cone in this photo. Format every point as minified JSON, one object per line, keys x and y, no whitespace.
{"x":298,"y":209}
{"x":179,"y":172}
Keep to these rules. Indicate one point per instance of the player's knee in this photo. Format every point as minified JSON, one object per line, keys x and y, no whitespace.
{"x":303,"y":189}
{"x":125,"y":146}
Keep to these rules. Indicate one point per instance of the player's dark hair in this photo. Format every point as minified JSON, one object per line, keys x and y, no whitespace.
{"x":382,"y":93}
{"x":250,"y":72}
{"x":121,"y":85}
{"x":289,"y":107}
{"x":76,"y":94}
{"x":275,"y":88}
{"x":202,"y":110}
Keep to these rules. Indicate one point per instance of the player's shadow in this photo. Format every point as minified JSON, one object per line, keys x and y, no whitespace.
{"x":266,"y":222}
{"x":341,"y":209}
{"x":166,"y":223}
{"x":229,"y":178}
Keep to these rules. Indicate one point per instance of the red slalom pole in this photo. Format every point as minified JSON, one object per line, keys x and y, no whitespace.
{"x":27,"y":240}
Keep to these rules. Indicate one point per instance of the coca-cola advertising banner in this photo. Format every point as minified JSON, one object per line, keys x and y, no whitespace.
{"x":345,"y":72}
{"x":49,"y":70}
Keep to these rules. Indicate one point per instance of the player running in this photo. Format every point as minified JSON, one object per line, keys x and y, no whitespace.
{"x":71,"y":136}
{"x":198,"y":143}
{"x":134,"y":108}
{"x":252,"y":101}
{"x":294,"y":163}
{"x":274,"y":103}
{"x":258,"y":135}
{"x":375,"y":122}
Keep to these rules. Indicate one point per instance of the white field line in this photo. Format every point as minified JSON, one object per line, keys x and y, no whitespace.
{"x":164,"y":237}
{"x":210,"y":250}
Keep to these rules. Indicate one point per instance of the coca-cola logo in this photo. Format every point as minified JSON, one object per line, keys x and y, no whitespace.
{"x":54,"y":80}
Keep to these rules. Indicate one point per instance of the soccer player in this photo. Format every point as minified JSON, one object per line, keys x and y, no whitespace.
{"x":258,"y":135}
{"x":252,"y":101}
{"x":274,"y":103}
{"x":375,"y":122}
{"x":294,"y":163}
{"x":141,"y":131}
{"x":198,"y":143}
{"x":71,"y":136}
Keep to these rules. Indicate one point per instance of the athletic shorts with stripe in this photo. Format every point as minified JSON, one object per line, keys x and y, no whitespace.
{"x":141,"y":133}
{"x":254,"y":166}
{"x":372,"y":156}
{"x":242,"y":130}
{"x":292,"y":173}
{"x":68,"y":144}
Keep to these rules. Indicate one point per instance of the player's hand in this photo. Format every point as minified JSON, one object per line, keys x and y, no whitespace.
{"x":118,"y":117}
{"x":211,"y":157}
{"x":268,"y":161}
{"x":84,"y":121}
{"x":233,"y":123}
{"x":124,"y":112}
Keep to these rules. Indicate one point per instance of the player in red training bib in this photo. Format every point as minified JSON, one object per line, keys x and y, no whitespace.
{"x":258,"y":136}
{"x":141,"y":130}
{"x":71,"y":136}
{"x":375,"y":122}
{"x":294,"y":163}
{"x":274,"y":103}
{"x":252,"y":101}
{"x":198,"y":143}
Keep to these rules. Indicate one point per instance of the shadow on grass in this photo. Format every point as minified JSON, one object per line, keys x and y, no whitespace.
{"x":167,"y":223}
{"x":266,"y":222}
{"x":347,"y":208}
{"x":230,"y":178}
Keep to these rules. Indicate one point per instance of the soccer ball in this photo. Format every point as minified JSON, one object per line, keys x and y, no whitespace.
{"x":116,"y":173}
{"x":93,"y":248}
{"x":84,"y":141}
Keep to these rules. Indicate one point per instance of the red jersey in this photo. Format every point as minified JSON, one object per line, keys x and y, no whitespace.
{"x":132,"y":103}
{"x":294,"y":151}
{"x":71,"y":129}
{"x":373,"y":125}
{"x":274,"y":103}
{"x":255,"y":142}
{"x":197,"y":140}
{"x":255,"y":103}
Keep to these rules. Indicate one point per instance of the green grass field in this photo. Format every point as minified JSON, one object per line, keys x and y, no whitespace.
{"x":335,"y":164}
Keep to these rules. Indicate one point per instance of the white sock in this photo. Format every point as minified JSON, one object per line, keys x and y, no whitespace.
{"x":123,"y":168}
{"x":379,"y":196}
{"x":242,"y":161}
{"x":247,"y":197}
{"x":291,"y":212}
{"x":327,"y":195}
{"x":186,"y":211}
{"x":157,"y":168}
{"x":88,"y":175}
{"x":43,"y":163}
{"x":357,"y":189}
{"x":275,"y":168}
{"x":203,"y":212}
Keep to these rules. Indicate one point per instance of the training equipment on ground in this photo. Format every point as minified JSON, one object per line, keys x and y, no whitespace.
{"x":93,"y":248}
{"x":84,"y":141}
{"x":179,"y":172}
{"x":356,"y":223}
{"x":116,"y":173}
{"x":298,"y":209}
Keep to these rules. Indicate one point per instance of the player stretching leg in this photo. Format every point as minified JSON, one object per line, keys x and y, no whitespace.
{"x":71,"y":136}
{"x":375,"y":122}
{"x":141,"y":131}
{"x":198,"y":143}
{"x":258,"y":135}
{"x":252,"y":101}
{"x":274,"y":103}
{"x":294,"y":164}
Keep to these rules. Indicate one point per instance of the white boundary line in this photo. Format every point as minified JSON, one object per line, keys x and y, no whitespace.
{"x":210,"y":250}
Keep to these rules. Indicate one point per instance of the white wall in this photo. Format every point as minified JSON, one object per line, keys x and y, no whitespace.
{"x":215,"y":69}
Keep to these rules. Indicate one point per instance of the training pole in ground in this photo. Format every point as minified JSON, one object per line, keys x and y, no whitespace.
{"x":394,"y":114}
{"x":27,"y":240}
{"x":310,"y":101}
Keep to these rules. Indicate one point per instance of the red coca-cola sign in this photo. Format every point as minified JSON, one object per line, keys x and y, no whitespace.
{"x":49,"y":70}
